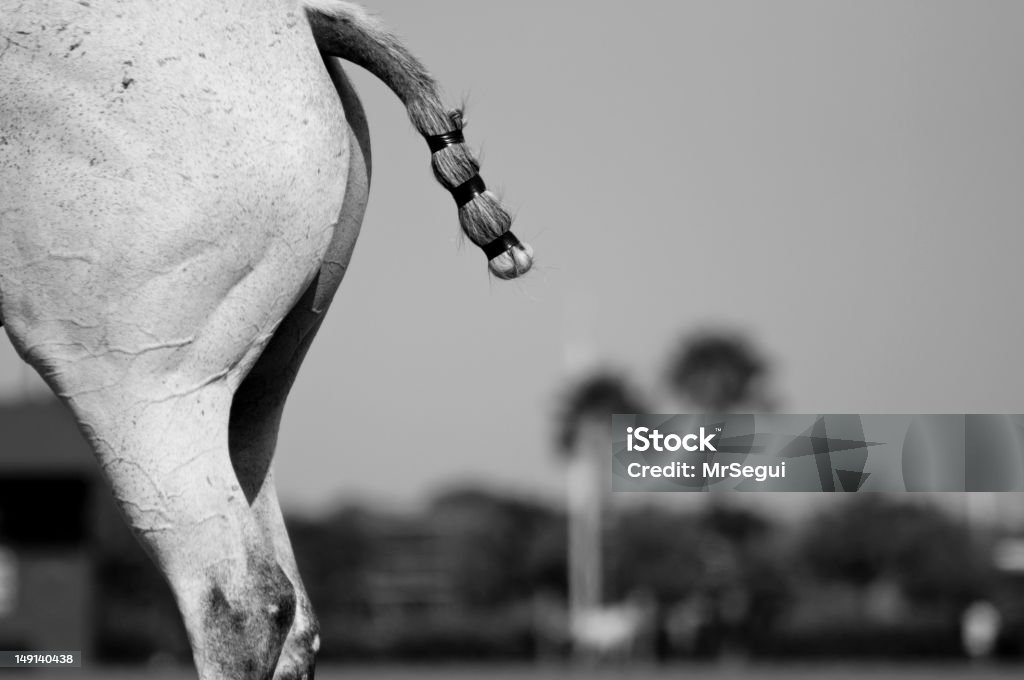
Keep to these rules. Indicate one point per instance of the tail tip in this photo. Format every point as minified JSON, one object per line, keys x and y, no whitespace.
{"x":512,"y":263}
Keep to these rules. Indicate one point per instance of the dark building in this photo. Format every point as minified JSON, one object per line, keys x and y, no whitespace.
{"x":48,"y":484}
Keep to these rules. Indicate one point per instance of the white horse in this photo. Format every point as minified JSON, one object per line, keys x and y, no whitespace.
{"x":181,"y":186}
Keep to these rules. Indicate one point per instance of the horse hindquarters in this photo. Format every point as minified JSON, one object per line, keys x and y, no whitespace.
{"x":149,"y":248}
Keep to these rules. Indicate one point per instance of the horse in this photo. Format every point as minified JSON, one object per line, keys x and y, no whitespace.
{"x":181,"y":188}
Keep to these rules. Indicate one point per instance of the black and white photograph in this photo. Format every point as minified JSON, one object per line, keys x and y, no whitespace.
{"x":443,"y":340}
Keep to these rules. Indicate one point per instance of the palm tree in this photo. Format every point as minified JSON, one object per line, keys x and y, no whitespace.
{"x":584,"y":440}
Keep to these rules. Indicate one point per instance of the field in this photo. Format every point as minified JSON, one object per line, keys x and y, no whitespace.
{"x":696,"y":672}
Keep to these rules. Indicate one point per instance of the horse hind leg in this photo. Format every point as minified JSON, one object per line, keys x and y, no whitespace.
{"x":259,"y":401}
{"x":255,"y":421}
{"x":168,"y":464}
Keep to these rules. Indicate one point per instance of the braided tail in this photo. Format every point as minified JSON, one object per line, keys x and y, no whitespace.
{"x":346,"y":30}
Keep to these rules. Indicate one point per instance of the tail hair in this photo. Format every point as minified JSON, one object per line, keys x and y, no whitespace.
{"x":345,"y":30}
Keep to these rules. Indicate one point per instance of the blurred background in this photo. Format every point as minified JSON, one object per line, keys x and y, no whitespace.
{"x":793,"y":206}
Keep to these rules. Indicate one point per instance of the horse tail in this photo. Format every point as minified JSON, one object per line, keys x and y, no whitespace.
{"x":344,"y":29}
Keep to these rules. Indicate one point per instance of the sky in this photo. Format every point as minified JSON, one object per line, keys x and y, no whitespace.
{"x":843,"y":182}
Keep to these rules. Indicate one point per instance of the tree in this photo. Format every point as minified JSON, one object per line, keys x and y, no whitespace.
{"x":928,"y":553}
{"x":718,"y":372}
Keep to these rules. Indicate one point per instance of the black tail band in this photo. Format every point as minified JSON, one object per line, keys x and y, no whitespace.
{"x":502,"y":244}
{"x":468,"y":190}
{"x":444,"y":140}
